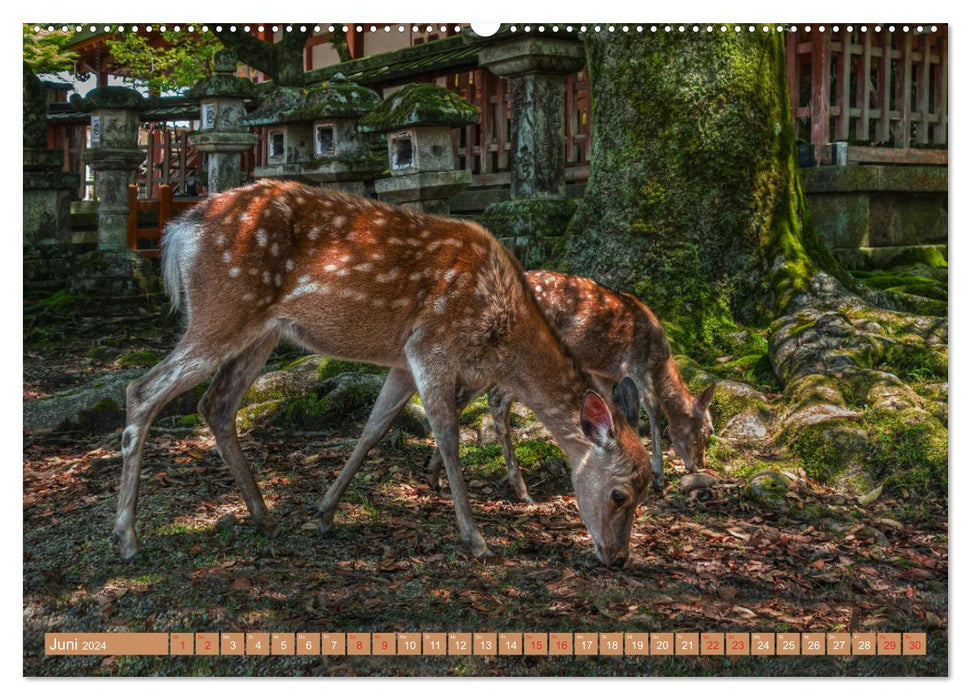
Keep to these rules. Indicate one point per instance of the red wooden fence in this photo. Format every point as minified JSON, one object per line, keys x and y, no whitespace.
{"x":873,"y":88}
{"x":146,"y":239}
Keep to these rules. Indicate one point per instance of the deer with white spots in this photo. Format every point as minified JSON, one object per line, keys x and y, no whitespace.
{"x":612,"y":335}
{"x":438,"y":301}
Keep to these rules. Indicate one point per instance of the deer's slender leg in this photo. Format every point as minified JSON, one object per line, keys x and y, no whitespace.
{"x":500,"y":401}
{"x":397,"y":389}
{"x":657,"y":462}
{"x":439,"y":401}
{"x":218,"y":407}
{"x":182,"y":370}
{"x":435,"y":462}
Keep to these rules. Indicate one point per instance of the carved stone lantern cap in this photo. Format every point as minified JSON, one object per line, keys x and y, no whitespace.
{"x":224,"y":82}
{"x":419,"y":104}
{"x":336,"y":98}
{"x":276,"y":103}
{"x":109,"y":97}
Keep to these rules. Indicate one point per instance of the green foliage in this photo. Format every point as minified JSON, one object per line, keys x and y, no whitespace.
{"x":138,"y":358}
{"x":909,"y":450}
{"x":174,"y":66}
{"x":332,"y":368}
{"x":45,"y":52}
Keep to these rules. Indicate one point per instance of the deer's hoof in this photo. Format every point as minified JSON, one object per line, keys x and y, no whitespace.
{"x":271,"y":528}
{"x":658,"y":483}
{"x":125,"y":543}
{"x":479,"y":548}
{"x":325,"y":522}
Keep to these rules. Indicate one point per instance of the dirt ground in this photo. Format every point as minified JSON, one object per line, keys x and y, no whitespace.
{"x":710,"y":560}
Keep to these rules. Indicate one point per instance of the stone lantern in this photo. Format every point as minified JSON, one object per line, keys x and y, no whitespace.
{"x":114,"y":269}
{"x":223,"y":136}
{"x":538,"y":212}
{"x":417,"y":121}
{"x":290,"y":139}
{"x":47,"y":194}
{"x":342,"y":155}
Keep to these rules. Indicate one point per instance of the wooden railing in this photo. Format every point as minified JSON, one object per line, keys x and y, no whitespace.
{"x":147,"y":239}
{"x":873,"y":89}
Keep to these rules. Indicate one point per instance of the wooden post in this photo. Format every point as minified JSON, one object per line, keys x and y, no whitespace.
{"x":940,"y":95}
{"x":133,"y":217}
{"x":819,"y":131}
{"x":863,"y":89}
{"x":166,"y":156}
{"x":924,"y":90}
{"x":843,"y":89}
{"x":792,"y":73}
{"x":901,"y":134}
{"x":883,"y":129}
{"x":164,"y":207}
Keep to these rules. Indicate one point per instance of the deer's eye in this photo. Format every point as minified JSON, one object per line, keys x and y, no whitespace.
{"x":618,"y":497}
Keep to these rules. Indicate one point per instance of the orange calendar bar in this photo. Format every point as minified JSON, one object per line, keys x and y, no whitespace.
{"x":181,"y":644}
{"x":763,"y":644}
{"x":409,"y":644}
{"x":434,"y":643}
{"x":535,"y":644}
{"x":585,"y":643}
{"x":207,"y":644}
{"x":662,"y":643}
{"x":813,"y":643}
{"x":510,"y":644}
{"x":611,"y":644}
{"x":333,"y":643}
{"x":686,"y":644}
{"x":712,"y":644}
{"x":561,"y":644}
{"x":459,"y":643}
{"x":787,"y":644}
{"x":358,"y":644}
{"x":485,"y":643}
{"x":106,"y":644}
{"x":257,"y":644}
{"x":914,"y":644}
{"x":282,"y":644}
{"x":737,"y":644}
{"x":888,"y":644}
{"x":308,"y":643}
{"x":839,"y":643}
{"x":637,"y":643}
{"x":232,"y":644}
{"x":382,"y":644}
{"x":864,"y":643}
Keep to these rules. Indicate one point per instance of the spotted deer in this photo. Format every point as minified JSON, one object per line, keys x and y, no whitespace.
{"x":439,"y":301}
{"x":612,"y":335}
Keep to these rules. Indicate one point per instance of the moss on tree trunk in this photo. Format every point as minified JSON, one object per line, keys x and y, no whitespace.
{"x":694,"y":201}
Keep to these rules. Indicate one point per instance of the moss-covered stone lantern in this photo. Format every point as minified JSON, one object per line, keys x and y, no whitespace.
{"x":114,"y":269}
{"x":223,"y":136}
{"x":290,"y":141}
{"x":341,"y":156}
{"x":417,"y":121}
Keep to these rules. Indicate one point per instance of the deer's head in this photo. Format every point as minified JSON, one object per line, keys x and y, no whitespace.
{"x":611,"y":479}
{"x":690,"y":435}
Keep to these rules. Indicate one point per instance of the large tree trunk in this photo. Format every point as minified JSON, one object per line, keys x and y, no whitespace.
{"x":694,"y":204}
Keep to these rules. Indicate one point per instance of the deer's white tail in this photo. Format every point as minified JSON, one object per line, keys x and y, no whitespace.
{"x":179,"y":245}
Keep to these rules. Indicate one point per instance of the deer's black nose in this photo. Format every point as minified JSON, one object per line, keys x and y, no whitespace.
{"x":619,"y":561}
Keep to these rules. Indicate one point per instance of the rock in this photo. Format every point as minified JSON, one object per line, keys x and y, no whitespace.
{"x":768,"y":488}
{"x":747,"y":426}
{"x":227,"y":522}
{"x":291,"y":383}
{"x":98,"y":404}
{"x":693,"y":482}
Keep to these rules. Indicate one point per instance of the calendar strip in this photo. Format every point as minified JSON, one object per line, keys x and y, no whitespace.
{"x":487,"y":644}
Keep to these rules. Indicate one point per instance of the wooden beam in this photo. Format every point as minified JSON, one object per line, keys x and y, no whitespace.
{"x":792,"y":76}
{"x":883,"y":126}
{"x":924,"y":90}
{"x":901,"y":134}
{"x":899,"y":156}
{"x":863,"y":88}
{"x":819,"y":130}
{"x":940,"y":96}
{"x":843,"y":89}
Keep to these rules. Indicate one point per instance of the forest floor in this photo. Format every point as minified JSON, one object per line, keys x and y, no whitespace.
{"x":711,"y":560}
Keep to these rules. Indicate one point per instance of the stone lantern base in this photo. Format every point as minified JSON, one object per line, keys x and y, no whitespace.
{"x":530,"y":228}
{"x":113,"y":273}
{"x":47,"y":226}
{"x":427,"y":192}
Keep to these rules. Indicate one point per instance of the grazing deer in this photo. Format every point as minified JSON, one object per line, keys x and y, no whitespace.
{"x":612,"y":335}
{"x":439,"y":301}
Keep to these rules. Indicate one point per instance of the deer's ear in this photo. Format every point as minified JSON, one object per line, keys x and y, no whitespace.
{"x":704,"y":400}
{"x":595,"y":419}
{"x":628,"y":400}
